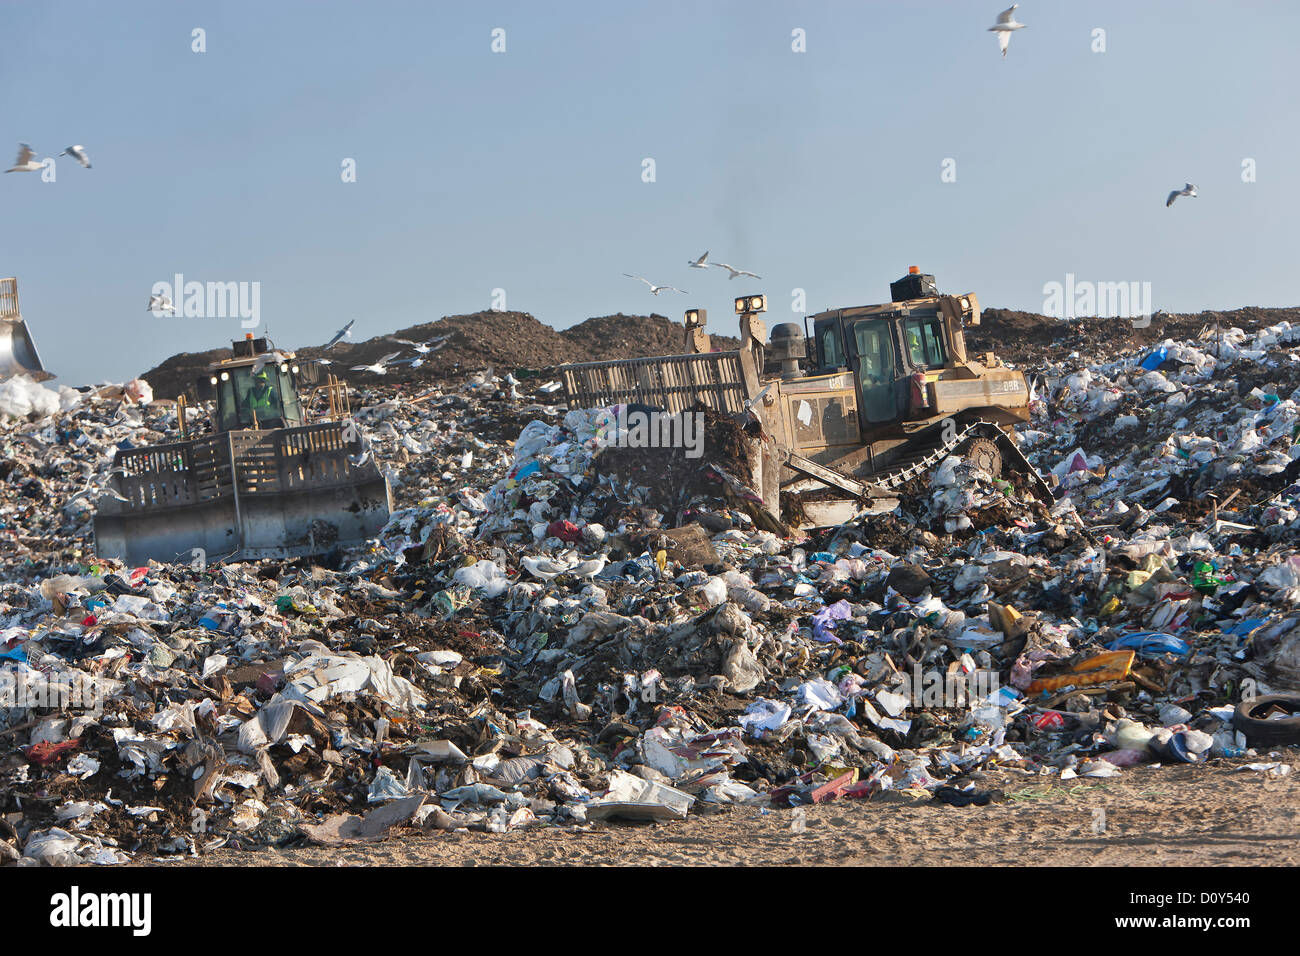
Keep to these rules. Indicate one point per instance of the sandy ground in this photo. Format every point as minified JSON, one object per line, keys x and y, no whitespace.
{"x":1161,"y":816}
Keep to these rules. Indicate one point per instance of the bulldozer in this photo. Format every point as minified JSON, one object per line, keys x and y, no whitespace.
{"x":259,"y":482}
{"x":849,"y":408}
{"x":17,"y":350}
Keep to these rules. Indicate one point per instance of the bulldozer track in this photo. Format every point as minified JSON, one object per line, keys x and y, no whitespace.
{"x":926,"y":458}
{"x":921,"y":461}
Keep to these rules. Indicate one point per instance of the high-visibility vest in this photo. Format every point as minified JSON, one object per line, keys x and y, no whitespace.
{"x":263,"y":402}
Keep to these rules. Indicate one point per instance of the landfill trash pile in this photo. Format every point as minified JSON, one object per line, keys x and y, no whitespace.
{"x":547,"y":634}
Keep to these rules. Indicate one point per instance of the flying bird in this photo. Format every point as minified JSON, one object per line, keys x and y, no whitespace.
{"x":1187,"y":190}
{"x":26,"y":161}
{"x":380,"y":367}
{"x":1004,"y":27}
{"x":345,"y":332}
{"x":267,"y":358}
{"x":161,"y":303}
{"x":735,"y":272}
{"x":79,"y":154}
{"x":655,"y":289}
{"x":424,"y":348}
{"x":701,"y":263}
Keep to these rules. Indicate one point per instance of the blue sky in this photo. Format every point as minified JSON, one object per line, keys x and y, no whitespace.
{"x":523,"y":170}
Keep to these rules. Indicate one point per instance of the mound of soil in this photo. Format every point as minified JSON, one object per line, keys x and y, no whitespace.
{"x":611,"y":337}
{"x":504,"y":341}
{"x":1026,"y":338}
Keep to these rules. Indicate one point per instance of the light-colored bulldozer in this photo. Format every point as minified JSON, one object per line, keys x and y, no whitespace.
{"x":262,"y":483}
{"x":887,"y":393}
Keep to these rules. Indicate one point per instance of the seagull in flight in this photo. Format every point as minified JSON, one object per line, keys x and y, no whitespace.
{"x":736,"y":272}
{"x":655,"y":289}
{"x":79,"y":154}
{"x":424,"y":348}
{"x":380,"y":367}
{"x":1187,"y":190}
{"x":414,"y":362}
{"x":159,"y":304}
{"x":26,"y":161}
{"x":1004,"y":27}
{"x":343,"y":333}
{"x":701,"y":263}
{"x":267,"y":358}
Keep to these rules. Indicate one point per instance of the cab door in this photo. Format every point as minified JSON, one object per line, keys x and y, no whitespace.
{"x":876,"y":370}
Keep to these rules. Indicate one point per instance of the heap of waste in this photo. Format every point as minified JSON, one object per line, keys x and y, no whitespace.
{"x":546,"y":634}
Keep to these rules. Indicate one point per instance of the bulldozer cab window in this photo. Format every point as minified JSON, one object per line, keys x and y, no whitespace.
{"x":875,"y":370}
{"x":829,"y":348}
{"x":242,"y":397}
{"x":925,"y":342}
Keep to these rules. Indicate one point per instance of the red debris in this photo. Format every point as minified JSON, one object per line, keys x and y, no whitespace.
{"x":564,"y":530}
{"x":45,"y":752}
{"x":834,"y":788}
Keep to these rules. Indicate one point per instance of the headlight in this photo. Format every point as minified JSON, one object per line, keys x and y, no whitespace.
{"x":213,"y":380}
{"x":225,"y":376}
{"x":284,"y":366}
{"x":294,"y":370}
{"x":751,"y":303}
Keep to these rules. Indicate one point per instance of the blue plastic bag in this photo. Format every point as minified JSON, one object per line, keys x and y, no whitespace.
{"x":1151,"y":644}
{"x":1155,"y":359}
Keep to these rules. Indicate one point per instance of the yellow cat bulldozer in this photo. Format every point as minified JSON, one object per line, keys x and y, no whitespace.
{"x":848,"y":410}
{"x":261,"y":482}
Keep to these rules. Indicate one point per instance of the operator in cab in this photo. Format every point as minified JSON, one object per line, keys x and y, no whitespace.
{"x":264,"y":403}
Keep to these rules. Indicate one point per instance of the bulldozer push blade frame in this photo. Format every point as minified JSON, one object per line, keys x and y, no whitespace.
{"x":281,"y":493}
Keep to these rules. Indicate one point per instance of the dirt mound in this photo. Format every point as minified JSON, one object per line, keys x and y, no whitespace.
{"x":610,"y":337}
{"x":1024,"y":338}
{"x":504,"y":341}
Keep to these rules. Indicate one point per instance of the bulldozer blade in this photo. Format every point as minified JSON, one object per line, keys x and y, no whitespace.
{"x":17,"y":350}
{"x":247,"y":495}
{"x":18,"y":353}
{"x":830,"y":512}
{"x":277,"y":525}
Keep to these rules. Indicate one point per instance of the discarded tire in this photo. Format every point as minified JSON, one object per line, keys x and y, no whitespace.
{"x":1252,"y":719}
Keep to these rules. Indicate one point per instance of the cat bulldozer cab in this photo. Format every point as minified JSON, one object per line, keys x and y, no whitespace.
{"x":850,"y":410}
{"x":262,"y":481}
